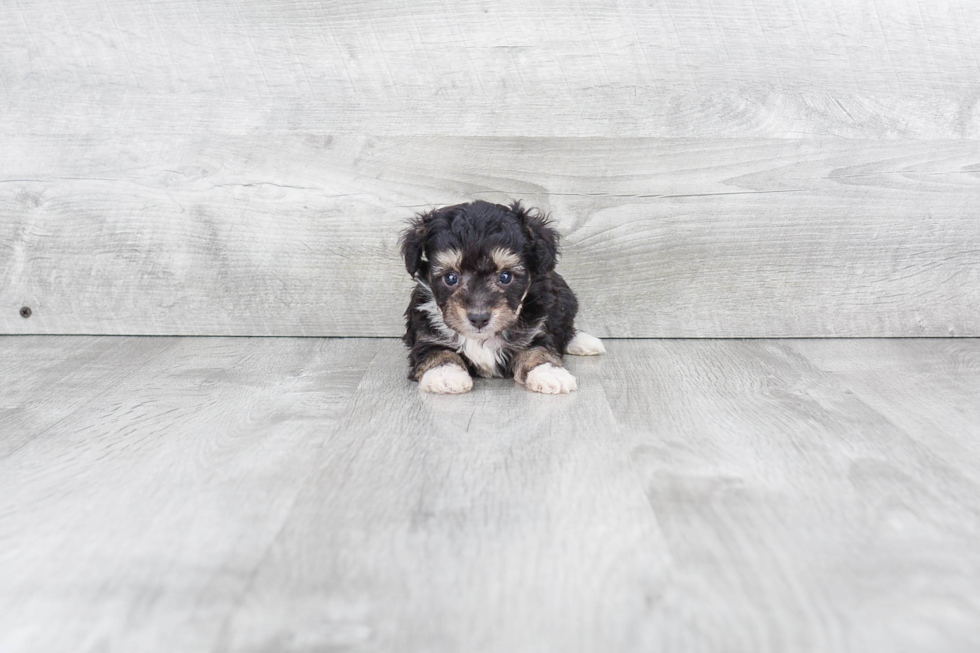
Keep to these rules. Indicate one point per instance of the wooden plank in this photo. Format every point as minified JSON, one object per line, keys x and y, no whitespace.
{"x":183,"y":169}
{"x":47,"y":380}
{"x":296,"y":234}
{"x":301,"y":494}
{"x":869,"y":69}
{"x":931,"y":388}
{"x":798,"y":516}
{"x":496,"y":521}
{"x":132,"y":521}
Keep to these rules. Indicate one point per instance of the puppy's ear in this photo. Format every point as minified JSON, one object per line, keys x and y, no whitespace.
{"x":413,"y":244}
{"x":542,"y":239}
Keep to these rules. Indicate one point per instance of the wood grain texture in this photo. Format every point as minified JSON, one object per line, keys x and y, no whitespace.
{"x":674,"y":68}
{"x":766,"y":170}
{"x":47,"y":380}
{"x":799,"y":515}
{"x":932,"y":389}
{"x":296,"y":234}
{"x":301,"y":495}
{"x":147,"y":478}
{"x":500,"y":520}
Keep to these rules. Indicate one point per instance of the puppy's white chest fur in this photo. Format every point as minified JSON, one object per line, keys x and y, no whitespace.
{"x":486,"y":355}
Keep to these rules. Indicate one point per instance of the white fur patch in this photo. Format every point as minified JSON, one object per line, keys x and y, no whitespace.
{"x":449,"y":379}
{"x":585,"y":345}
{"x":486,"y":355}
{"x":550,"y":380}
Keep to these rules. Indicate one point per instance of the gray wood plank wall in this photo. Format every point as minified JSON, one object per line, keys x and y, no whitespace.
{"x":762,"y":169}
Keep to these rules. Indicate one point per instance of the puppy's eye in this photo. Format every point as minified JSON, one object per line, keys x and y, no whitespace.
{"x":506,"y":277}
{"x":451,"y":279}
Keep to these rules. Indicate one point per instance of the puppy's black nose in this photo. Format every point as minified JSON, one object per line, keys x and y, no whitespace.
{"x":479,"y":320}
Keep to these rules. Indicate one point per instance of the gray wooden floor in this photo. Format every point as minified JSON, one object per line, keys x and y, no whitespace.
{"x":222,"y":494}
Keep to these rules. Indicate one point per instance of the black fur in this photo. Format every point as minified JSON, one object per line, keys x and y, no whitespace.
{"x":546,"y":317}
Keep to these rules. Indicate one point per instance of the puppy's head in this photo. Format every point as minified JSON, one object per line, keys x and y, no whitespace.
{"x":479,"y":259}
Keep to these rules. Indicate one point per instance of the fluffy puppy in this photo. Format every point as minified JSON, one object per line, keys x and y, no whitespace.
{"x":488,"y":301}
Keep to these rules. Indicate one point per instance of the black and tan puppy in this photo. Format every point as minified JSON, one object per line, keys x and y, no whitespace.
{"x":488,"y":301}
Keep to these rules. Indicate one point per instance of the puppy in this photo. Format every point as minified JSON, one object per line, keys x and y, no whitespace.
{"x":488,"y":301}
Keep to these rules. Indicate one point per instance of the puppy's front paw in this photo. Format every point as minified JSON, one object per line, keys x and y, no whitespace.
{"x":550,"y":380}
{"x":585,"y":345}
{"x":449,"y":379}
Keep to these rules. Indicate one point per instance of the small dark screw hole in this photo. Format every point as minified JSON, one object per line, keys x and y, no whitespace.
{"x":25,"y":312}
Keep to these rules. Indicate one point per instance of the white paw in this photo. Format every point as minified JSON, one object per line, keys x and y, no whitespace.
{"x":585,"y":345}
{"x":550,"y":380}
{"x":448,"y":379}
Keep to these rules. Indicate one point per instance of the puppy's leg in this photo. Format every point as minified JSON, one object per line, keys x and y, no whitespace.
{"x":585,"y":345}
{"x":443,"y":372}
{"x":540,"y":370}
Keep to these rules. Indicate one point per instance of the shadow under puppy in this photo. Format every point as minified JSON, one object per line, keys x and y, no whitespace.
{"x":488,"y":301}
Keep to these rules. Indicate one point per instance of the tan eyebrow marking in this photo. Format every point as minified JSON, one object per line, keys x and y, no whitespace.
{"x":451,"y":259}
{"x":504,"y":258}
